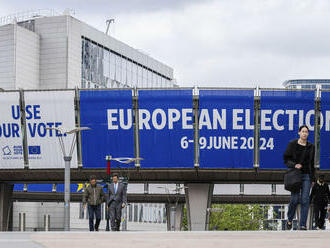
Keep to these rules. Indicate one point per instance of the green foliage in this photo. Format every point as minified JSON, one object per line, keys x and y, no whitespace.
{"x":185,"y":219}
{"x":233,"y":217}
{"x":237,"y":217}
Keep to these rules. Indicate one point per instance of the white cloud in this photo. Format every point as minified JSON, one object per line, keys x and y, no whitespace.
{"x":243,"y":42}
{"x":214,"y":43}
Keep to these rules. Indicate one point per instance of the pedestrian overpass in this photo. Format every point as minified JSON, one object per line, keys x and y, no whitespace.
{"x":194,"y":136}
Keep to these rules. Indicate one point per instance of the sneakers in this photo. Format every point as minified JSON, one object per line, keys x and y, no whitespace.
{"x":303,"y":228}
{"x":288,"y":225}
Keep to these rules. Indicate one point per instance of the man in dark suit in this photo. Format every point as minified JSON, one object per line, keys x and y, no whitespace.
{"x":116,"y":201}
{"x":320,"y":196}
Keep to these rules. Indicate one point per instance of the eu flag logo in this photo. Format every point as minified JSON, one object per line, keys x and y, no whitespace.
{"x":33,"y":150}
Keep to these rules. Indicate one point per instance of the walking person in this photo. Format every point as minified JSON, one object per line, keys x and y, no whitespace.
{"x":116,"y":201}
{"x":320,"y":196}
{"x":93,"y":196}
{"x":299,"y":154}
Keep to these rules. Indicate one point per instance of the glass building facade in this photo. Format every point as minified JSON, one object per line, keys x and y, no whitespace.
{"x":105,"y":68}
{"x":307,"y":83}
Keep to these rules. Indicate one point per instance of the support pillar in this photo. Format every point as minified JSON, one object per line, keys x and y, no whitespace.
{"x":309,"y":223}
{"x":5,"y":205}
{"x":174,"y":216}
{"x":198,"y":200}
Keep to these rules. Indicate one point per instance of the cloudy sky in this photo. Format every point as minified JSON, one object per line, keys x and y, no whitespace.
{"x":214,"y":43}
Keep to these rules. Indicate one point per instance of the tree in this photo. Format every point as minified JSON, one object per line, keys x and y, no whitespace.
{"x":237,"y":217}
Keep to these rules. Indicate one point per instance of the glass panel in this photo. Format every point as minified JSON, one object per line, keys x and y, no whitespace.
{"x":81,"y":211}
{"x":141,"y":213}
{"x":134,"y":75}
{"x":135,"y":213}
{"x":144,"y":77}
{"x":118,"y":68}
{"x":130,"y":212}
{"x":149,"y":78}
{"x":86,"y":66}
{"x":123,"y":71}
{"x":112,"y":66}
{"x":106,"y":68}
{"x":129,"y":74}
{"x":140,"y":84}
{"x":94,"y":52}
{"x":100,"y":67}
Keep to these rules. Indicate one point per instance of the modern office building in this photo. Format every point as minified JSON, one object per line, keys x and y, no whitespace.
{"x":49,"y":51}
{"x":307,"y":83}
{"x":46,"y":50}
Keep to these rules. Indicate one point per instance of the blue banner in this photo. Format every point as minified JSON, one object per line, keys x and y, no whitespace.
{"x":34,"y":187}
{"x":109,"y":114}
{"x":282,"y":113}
{"x":325,"y":131}
{"x":226,"y":128}
{"x":44,"y":187}
{"x":166,"y":128}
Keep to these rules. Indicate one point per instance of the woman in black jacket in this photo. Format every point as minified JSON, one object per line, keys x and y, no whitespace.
{"x":300,"y":155}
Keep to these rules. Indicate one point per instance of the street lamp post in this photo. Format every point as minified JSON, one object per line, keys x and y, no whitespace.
{"x":67,"y":180}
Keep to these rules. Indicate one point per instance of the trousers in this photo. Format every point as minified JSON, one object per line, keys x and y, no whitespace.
{"x":115,"y":215}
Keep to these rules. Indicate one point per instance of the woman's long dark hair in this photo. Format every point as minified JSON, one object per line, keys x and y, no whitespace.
{"x":301,"y":127}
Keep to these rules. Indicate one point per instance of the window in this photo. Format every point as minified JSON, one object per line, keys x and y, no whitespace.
{"x":135,"y":213}
{"x":106,"y":68}
{"x":101,"y":67}
{"x":112,"y":65}
{"x":93,"y":58}
{"x":145,"y":77}
{"x":118,"y":68}
{"x":139,"y":76}
{"x":134,"y":75}
{"x":130,"y":212}
{"x":123,"y":71}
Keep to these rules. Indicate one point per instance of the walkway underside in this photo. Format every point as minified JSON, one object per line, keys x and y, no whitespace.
{"x":157,"y":198}
{"x":151,"y":175}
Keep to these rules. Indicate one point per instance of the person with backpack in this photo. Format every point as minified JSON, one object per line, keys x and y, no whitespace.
{"x":299,"y":154}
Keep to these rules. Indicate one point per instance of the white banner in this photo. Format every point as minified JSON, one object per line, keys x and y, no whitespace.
{"x":11,"y":141}
{"x":49,"y":109}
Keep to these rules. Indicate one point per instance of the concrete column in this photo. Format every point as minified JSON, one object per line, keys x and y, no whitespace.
{"x":5,"y":205}
{"x":309,"y":223}
{"x":198,"y":200}
{"x":174,"y":216}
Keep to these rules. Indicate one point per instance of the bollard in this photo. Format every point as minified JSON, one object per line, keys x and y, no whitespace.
{"x":46,"y":222}
{"x":172,"y":218}
{"x":21,"y":222}
{"x":124,"y":218}
{"x":146,"y":188}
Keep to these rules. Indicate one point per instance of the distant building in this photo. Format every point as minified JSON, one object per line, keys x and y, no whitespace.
{"x":44,"y":50}
{"x":48,"y":51}
{"x":307,"y":83}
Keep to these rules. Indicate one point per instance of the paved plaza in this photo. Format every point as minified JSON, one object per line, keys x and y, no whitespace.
{"x":269,"y":239}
